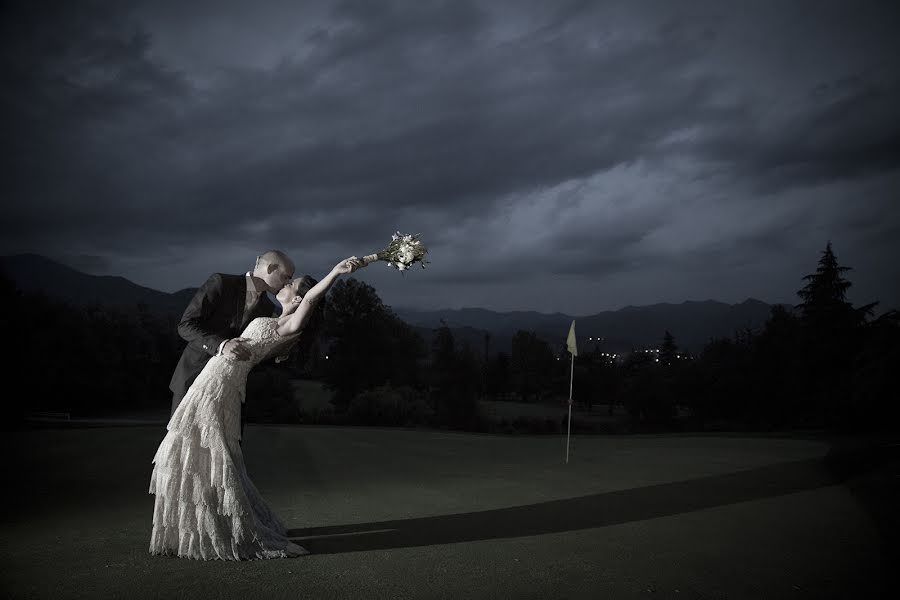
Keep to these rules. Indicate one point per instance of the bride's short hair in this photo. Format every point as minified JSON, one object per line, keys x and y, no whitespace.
{"x":306,"y":284}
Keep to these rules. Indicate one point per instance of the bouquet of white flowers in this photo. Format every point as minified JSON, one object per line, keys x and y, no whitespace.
{"x":401,"y":253}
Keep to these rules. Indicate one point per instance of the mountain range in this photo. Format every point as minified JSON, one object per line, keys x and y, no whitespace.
{"x":38,"y":274}
{"x":692,"y":323}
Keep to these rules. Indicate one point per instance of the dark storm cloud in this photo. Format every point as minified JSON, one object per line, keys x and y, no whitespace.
{"x":849,"y":129}
{"x":79,"y":91}
{"x":588,"y":140}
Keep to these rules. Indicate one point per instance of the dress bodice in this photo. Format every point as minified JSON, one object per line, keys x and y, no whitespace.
{"x":262,"y":338}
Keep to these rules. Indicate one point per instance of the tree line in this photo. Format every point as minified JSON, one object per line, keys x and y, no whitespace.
{"x":84,"y":360}
{"x":825,"y":364}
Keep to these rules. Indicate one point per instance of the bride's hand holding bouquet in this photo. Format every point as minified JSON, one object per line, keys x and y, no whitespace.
{"x":401,"y":253}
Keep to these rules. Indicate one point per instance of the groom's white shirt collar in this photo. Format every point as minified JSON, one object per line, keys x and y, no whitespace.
{"x":252,"y":285}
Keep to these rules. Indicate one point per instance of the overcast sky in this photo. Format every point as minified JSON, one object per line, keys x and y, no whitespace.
{"x":555,"y":156}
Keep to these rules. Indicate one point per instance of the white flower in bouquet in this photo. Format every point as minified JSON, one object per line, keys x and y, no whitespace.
{"x":402,"y":252}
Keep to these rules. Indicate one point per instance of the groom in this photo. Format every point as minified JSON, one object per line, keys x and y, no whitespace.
{"x":218,"y":313}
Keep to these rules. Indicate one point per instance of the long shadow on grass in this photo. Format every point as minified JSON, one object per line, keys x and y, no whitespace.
{"x":595,"y":510}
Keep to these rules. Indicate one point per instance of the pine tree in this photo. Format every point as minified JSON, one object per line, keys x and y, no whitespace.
{"x":831,"y":328}
{"x":824,"y":297}
{"x":668,"y":353}
{"x":825,"y":294}
{"x":443,"y":354}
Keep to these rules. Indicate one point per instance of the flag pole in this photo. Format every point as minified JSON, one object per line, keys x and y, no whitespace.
{"x":572,"y":347}
{"x":569,"y":429}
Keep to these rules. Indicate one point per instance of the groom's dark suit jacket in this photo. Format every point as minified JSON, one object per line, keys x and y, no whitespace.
{"x":216,"y":313}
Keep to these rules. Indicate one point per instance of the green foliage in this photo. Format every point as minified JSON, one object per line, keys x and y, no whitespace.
{"x":497,"y":376}
{"x":668,"y":352}
{"x":530,"y":425}
{"x":387,"y":405}
{"x":825,"y":293}
{"x":725,"y":380}
{"x":370,"y":346}
{"x":87,"y":360}
{"x":875,"y":376}
{"x":779,"y":397}
{"x":454,"y":381}
{"x":443,"y":354}
{"x":270,"y":397}
{"x":531,"y":365}
{"x":831,"y":335}
{"x":829,"y":367}
{"x":597,"y":379}
{"x":644,"y":392}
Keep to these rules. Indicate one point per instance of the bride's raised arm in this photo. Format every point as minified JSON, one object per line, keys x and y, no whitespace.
{"x":298,"y":319}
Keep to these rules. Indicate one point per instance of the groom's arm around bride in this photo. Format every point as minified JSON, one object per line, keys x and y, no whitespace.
{"x":209,"y":321}
{"x":220,"y":310}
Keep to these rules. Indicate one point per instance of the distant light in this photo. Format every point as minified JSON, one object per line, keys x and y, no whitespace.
{"x":326,"y":357}
{"x":657,"y":360}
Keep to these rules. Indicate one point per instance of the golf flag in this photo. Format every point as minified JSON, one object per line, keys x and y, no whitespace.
{"x":570,"y":342}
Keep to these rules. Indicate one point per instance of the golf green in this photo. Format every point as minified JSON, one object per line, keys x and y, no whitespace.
{"x":393,"y":513}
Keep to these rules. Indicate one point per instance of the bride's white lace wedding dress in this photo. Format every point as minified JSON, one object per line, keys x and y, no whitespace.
{"x":206,"y":507}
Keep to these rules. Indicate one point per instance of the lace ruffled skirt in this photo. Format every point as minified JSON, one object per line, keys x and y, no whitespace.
{"x":206,"y":506}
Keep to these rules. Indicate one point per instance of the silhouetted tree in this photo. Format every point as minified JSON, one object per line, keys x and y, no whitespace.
{"x":498,"y":378}
{"x":876,"y":377}
{"x":369,"y":344}
{"x":725,"y":377}
{"x":779,"y":399}
{"x":643,"y":391}
{"x":824,"y":297}
{"x":668,"y":352}
{"x":455,"y":375}
{"x":86,"y":360}
{"x":463,"y":408}
{"x":531,"y":364}
{"x":443,"y":352}
{"x":596,"y":378}
{"x":831,"y":336}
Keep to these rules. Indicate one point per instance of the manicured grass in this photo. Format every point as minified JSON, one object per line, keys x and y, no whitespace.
{"x":393,"y":513}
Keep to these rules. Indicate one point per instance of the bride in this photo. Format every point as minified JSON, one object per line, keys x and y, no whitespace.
{"x":206,"y":506}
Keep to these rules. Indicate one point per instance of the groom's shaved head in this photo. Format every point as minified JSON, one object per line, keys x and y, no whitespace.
{"x":275,"y":268}
{"x":275,"y":256}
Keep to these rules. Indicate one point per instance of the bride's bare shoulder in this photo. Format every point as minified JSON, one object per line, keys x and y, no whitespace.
{"x":282,"y":328}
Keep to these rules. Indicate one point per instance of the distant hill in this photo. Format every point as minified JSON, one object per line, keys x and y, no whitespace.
{"x":692,"y":323}
{"x":35,"y":273}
